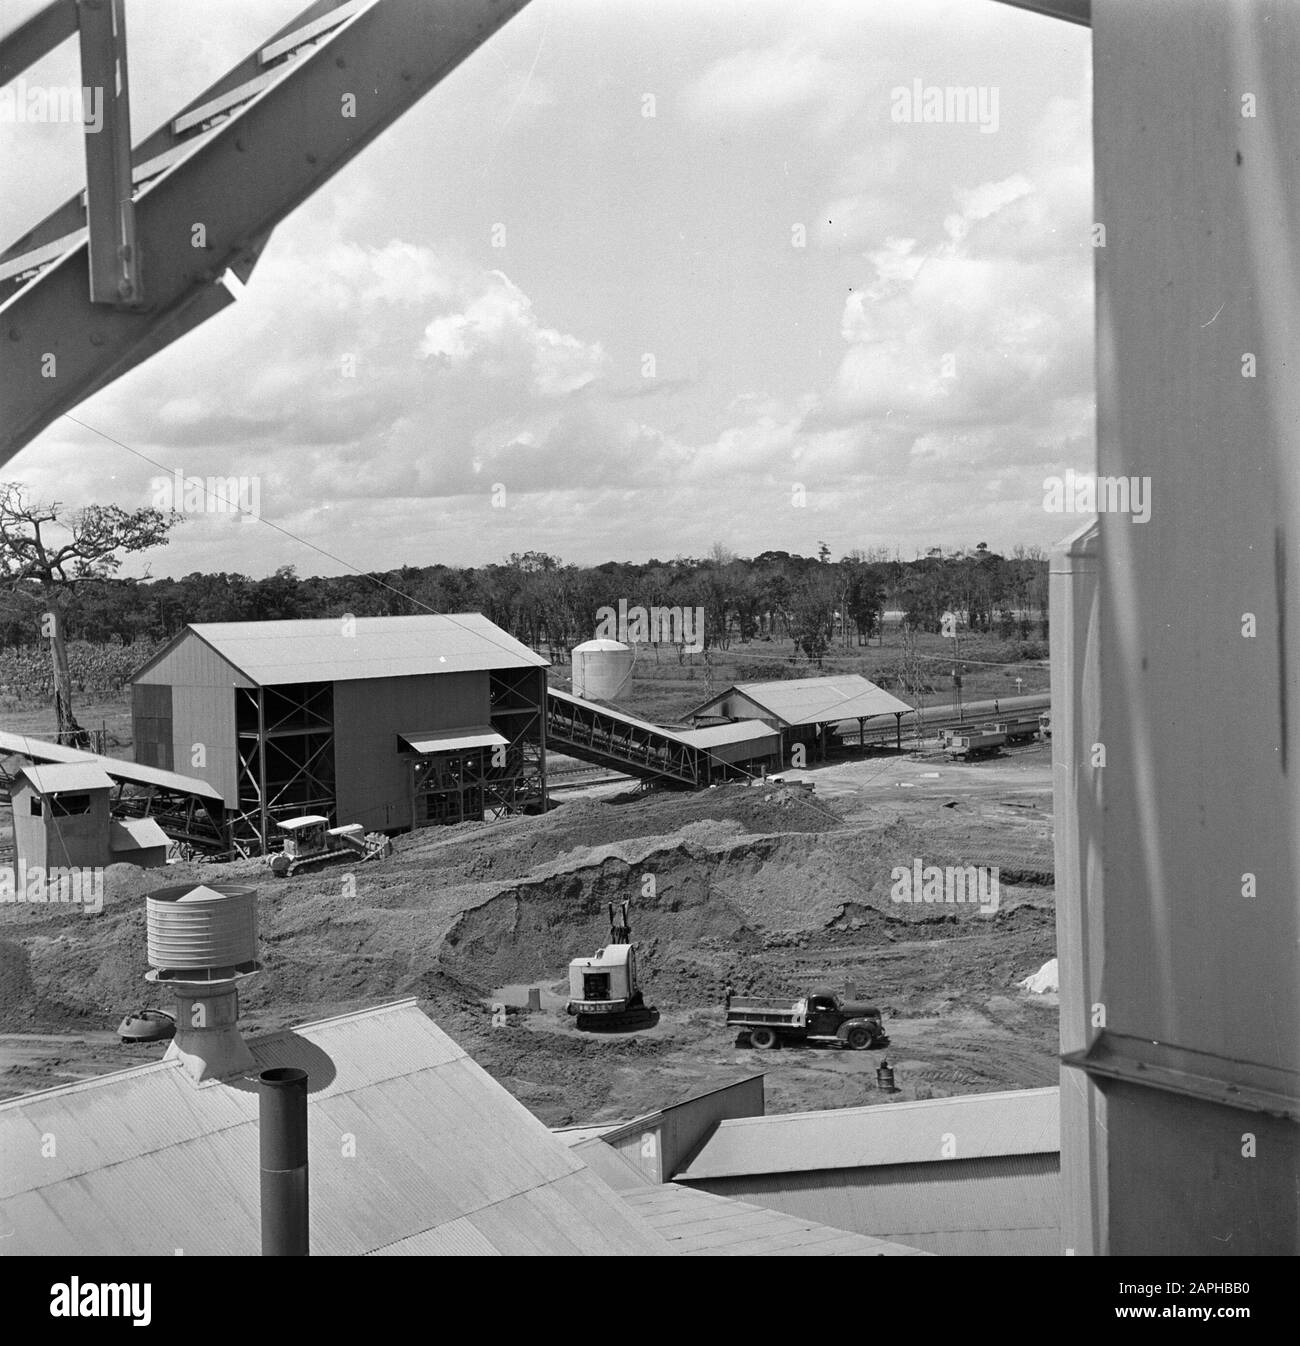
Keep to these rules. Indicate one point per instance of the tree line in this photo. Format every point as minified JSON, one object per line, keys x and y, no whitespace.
{"x":814,"y":602}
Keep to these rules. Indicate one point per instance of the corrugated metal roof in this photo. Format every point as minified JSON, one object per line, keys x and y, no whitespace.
{"x":407,"y":1136}
{"x":699,"y":1224}
{"x":325,"y":650}
{"x":1026,"y":1121}
{"x":135,"y":834}
{"x":453,"y":740}
{"x":67,"y":776}
{"x":743,"y":731}
{"x":118,"y":768}
{"x":848,"y":696}
{"x":1003,"y":1205}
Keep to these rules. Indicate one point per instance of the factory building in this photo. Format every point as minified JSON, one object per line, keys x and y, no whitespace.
{"x":390,"y":722}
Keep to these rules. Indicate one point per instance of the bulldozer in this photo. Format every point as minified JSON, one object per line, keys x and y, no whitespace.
{"x":310,"y":841}
{"x":604,"y":992}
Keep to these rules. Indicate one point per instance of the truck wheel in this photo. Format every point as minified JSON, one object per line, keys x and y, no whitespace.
{"x":859,"y":1038}
{"x":764,"y":1038}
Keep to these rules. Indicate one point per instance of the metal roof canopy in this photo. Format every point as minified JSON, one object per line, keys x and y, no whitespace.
{"x":795,"y":701}
{"x":324,"y":649}
{"x":135,"y":834}
{"x":1024,"y":1121}
{"x":64,"y":776}
{"x":130,"y":773}
{"x":453,"y":740}
{"x":739,"y":731}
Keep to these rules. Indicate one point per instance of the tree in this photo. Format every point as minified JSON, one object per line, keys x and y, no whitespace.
{"x":46,"y":552}
{"x":814,"y":616}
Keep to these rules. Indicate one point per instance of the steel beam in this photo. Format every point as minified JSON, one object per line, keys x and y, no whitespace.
{"x":199,"y":217}
{"x":110,"y":210}
{"x":165,"y":145}
{"x":27,"y":43}
{"x":1072,"y":11}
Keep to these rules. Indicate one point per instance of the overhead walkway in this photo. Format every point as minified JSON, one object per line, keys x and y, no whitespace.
{"x":609,"y":738}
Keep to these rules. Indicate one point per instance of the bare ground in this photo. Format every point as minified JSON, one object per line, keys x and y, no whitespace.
{"x":762,"y":887}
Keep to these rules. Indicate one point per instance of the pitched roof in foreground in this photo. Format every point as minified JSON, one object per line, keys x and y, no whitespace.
{"x":699,"y":1224}
{"x":1023,"y":1121}
{"x":323,"y":650}
{"x":414,"y":1149}
{"x":796,"y":701}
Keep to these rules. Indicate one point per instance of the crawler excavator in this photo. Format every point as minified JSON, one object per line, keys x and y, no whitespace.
{"x":604,"y":992}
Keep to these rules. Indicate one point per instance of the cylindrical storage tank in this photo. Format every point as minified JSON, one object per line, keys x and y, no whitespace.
{"x":202,"y":930}
{"x":601,"y":669}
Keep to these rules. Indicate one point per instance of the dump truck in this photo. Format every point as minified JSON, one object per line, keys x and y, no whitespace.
{"x":820,"y":1016}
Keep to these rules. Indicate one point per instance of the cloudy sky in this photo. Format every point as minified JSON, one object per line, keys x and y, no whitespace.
{"x":637,"y":278}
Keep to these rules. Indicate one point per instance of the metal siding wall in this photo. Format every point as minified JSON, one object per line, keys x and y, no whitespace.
{"x":751,"y":750}
{"x":688,"y":1124}
{"x":206,"y":716}
{"x":1077,"y":788}
{"x":47,"y":841}
{"x":203,"y":712}
{"x":369,"y":714}
{"x":1200,"y":202}
{"x":646,"y":1157}
{"x":193,"y":663}
{"x":1008,"y":1206}
{"x":151,"y":718}
{"x":1250,"y":1202}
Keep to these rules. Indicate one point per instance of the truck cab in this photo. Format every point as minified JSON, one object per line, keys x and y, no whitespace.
{"x":828,"y":1013}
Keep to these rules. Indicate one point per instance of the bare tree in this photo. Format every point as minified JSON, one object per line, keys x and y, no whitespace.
{"x":45,"y":551}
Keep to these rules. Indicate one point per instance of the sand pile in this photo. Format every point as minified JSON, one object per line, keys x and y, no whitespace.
{"x":712,"y":877}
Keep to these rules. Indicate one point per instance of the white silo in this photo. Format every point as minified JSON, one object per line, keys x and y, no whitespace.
{"x":601,"y":669}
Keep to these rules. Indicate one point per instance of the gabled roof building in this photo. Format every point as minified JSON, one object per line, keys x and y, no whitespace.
{"x":390,"y":722}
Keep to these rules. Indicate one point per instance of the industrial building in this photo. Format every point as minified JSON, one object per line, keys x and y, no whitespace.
{"x":390,"y":722}
{"x":976,"y":1175}
{"x":804,"y":710}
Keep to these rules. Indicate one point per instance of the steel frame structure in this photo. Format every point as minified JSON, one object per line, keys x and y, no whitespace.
{"x":518,"y":714}
{"x":184,"y":817}
{"x":611,"y":740}
{"x":103,"y":283}
{"x":285,"y":748}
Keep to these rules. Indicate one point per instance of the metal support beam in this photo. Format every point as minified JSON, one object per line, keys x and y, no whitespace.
{"x":1072,"y":11}
{"x":36,"y":38}
{"x":110,"y":212}
{"x":201,"y":215}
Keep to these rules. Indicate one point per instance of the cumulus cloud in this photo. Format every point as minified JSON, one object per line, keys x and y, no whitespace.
{"x":781,"y":79}
{"x":496,"y":333}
